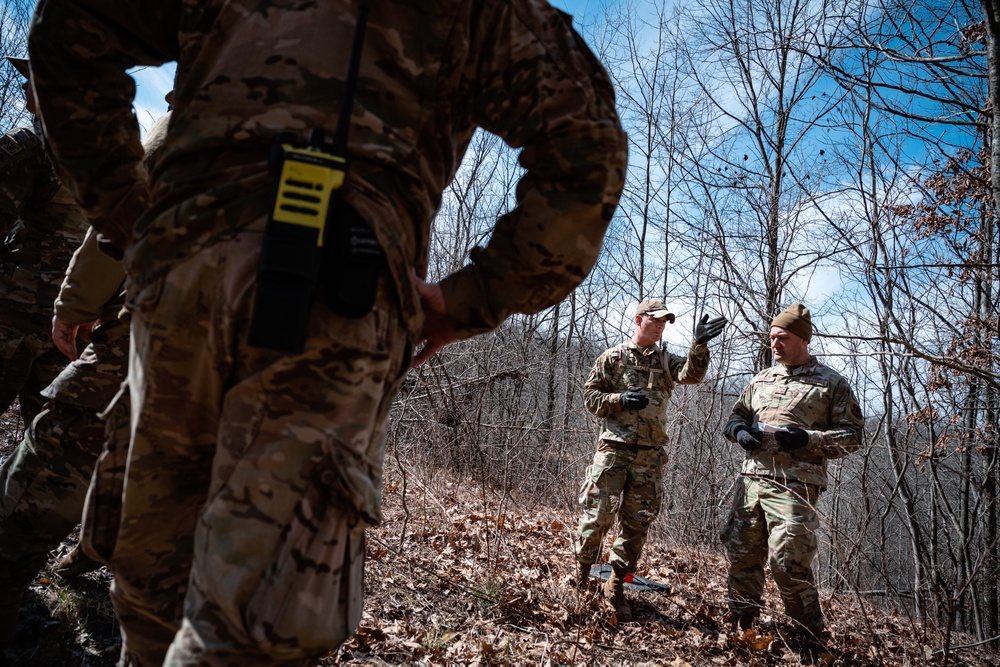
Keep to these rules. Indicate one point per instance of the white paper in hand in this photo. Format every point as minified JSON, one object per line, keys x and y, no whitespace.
{"x":771,"y":428}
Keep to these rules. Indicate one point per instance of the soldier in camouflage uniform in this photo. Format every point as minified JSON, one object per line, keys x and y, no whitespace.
{"x":42,"y":227}
{"x":791,"y":419}
{"x":252,"y":473}
{"x":628,"y":389}
{"x":44,"y":483}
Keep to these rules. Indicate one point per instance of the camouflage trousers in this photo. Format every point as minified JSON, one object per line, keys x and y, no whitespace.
{"x":252,"y":474}
{"x":626,"y":480}
{"x":774,"y":523}
{"x":29,"y":360}
{"x":43,"y":484}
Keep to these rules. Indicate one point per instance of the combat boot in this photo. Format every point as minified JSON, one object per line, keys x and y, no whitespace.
{"x":741,"y":621}
{"x":812,"y":646}
{"x":583,"y":576}
{"x":614,"y":592}
{"x":10,"y":605}
{"x":75,"y":564}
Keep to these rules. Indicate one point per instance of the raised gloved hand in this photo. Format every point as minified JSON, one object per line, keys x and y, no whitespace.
{"x":748,"y":438}
{"x":633,"y":399}
{"x":795,"y":438}
{"x":708,"y":329}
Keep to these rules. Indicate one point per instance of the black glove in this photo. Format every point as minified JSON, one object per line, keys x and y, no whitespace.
{"x":707,"y":329}
{"x":748,"y":438}
{"x":633,"y":399}
{"x":795,"y":438}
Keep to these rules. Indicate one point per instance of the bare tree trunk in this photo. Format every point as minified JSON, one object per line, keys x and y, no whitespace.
{"x":550,"y":398}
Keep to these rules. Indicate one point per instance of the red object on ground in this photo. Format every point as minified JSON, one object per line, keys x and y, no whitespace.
{"x":628,"y":578}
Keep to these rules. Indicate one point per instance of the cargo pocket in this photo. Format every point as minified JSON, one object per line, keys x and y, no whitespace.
{"x":309,"y":599}
{"x":102,"y":510}
{"x":739,"y":500}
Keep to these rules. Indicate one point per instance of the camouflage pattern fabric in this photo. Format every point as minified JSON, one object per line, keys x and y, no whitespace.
{"x":43,"y":227}
{"x":623,"y":480}
{"x":102,"y":508}
{"x":259,"y":502}
{"x":28,"y":363}
{"x":43,"y":484}
{"x":431,"y":74}
{"x":774,"y":514}
{"x":813,"y":397}
{"x":774,"y":523}
{"x":627,"y":366}
{"x":626,"y":475}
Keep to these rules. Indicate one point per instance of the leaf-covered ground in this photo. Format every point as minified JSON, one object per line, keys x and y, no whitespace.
{"x":467,"y":586}
{"x":462,"y":575}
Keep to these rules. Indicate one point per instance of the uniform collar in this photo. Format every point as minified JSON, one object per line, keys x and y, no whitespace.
{"x":630,"y":344}
{"x":805,"y":369}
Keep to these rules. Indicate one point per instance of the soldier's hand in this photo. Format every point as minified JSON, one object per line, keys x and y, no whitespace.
{"x":64,"y":335}
{"x":795,"y":438}
{"x":437,"y":331}
{"x":748,"y":438}
{"x":708,"y":329}
{"x":633,"y":399}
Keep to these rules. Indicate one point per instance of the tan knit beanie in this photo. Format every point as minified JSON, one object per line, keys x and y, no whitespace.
{"x":796,"y":319}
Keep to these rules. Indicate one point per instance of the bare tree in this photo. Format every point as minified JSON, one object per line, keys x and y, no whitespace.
{"x":914,"y":73}
{"x":756,"y":161}
{"x":15,"y":16}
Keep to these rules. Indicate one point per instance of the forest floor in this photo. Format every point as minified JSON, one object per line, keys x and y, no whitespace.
{"x":459,"y":575}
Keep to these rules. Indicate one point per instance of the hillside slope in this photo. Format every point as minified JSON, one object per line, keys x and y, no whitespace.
{"x":467,"y":587}
{"x":460,"y":574}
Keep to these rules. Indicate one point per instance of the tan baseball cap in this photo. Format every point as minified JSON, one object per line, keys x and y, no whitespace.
{"x":654,"y":308}
{"x":21,"y":65}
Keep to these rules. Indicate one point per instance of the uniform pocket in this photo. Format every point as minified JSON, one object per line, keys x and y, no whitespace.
{"x":739,"y":500}
{"x":309,"y":599}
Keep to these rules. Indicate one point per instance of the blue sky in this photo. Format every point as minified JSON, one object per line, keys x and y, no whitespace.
{"x":579,"y":7}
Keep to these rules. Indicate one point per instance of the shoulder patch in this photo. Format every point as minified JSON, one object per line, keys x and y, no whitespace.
{"x":10,"y":145}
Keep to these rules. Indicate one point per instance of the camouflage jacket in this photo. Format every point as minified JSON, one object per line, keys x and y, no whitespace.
{"x":813,"y":397}
{"x":42,"y":227}
{"x":650,"y":368}
{"x":94,"y":284}
{"x":431,"y":73}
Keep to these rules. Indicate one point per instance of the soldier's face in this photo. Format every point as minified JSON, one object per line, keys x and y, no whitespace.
{"x":787,"y":348}
{"x":648,"y":330}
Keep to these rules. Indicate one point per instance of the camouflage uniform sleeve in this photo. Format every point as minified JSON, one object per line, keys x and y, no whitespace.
{"x":742,"y":414}
{"x":22,"y":165}
{"x":539,"y":87}
{"x":846,"y":425}
{"x":692,"y":368}
{"x":600,"y":394}
{"x":93,"y":135}
{"x":92,"y":280}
